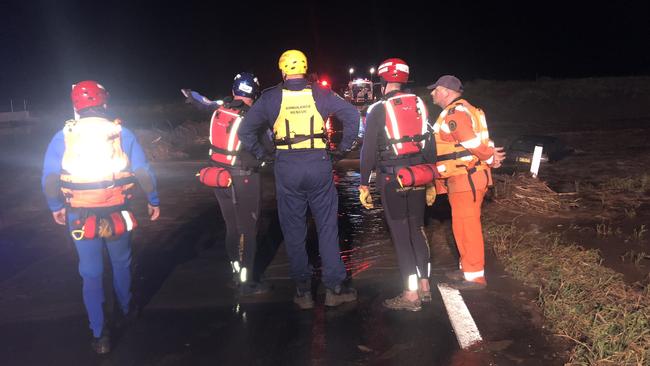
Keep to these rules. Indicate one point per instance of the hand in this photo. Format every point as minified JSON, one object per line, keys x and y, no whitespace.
{"x":499,"y":156}
{"x":59,"y":216}
{"x":365,"y":198}
{"x":431,"y":194}
{"x":154,"y":212}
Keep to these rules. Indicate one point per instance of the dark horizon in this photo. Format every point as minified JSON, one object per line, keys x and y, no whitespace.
{"x":146,"y":52}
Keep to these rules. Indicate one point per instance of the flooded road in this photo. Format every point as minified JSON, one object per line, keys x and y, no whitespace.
{"x":190,"y":316}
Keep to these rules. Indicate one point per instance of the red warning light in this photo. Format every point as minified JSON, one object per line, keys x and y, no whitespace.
{"x":324,"y":83}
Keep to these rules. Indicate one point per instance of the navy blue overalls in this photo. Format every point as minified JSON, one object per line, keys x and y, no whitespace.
{"x":303,"y":174}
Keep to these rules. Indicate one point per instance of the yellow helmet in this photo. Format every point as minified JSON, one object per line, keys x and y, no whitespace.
{"x":293,"y":62}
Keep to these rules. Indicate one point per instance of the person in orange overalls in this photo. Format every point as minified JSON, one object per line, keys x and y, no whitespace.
{"x":465,"y":156}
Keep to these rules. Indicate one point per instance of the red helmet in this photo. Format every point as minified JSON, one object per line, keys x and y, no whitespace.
{"x":87,"y":94}
{"x":394,"y":70}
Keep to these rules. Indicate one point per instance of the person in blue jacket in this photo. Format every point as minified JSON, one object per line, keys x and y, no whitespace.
{"x":90,"y":170}
{"x":296,"y":110}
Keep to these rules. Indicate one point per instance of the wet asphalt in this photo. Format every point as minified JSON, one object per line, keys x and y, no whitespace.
{"x":191,"y":316}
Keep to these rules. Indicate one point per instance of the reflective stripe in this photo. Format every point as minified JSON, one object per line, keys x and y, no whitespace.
{"x":235,"y":265}
{"x":472,"y":143}
{"x":242,"y":275}
{"x":393,"y":122}
{"x":231,"y":139}
{"x":413,"y":282}
{"x":436,"y":128}
{"x":425,"y":118}
{"x":445,"y":127}
{"x":392,"y":145}
{"x":429,"y":269}
{"x":233,"y":134}
{"x":417,"y":269}
{"x":490,"y":160}
{"x":127,"y":219}
{"x":483,"y":121}
{"x":485,"y":135}
{"x":471,"y":276}
{"x":299,"y":92}
{"x":442,"y":168}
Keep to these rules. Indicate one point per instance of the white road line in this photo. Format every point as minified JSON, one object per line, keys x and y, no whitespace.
{"x":461,"y":320}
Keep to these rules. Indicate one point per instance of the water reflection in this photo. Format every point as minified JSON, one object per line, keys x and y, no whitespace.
{"x":361,"y":232}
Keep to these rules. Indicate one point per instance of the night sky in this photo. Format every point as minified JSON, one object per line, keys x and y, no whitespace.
{"x":147,"y":51}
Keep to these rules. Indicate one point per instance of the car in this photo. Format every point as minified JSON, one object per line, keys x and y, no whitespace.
{"x":520,"y":151}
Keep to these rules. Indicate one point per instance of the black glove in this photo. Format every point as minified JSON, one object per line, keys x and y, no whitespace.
{"x":266,"y":160}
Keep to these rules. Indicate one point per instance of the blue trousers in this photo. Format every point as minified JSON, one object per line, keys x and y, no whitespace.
{"x":304,"y":179}
{"x":91,"y":269}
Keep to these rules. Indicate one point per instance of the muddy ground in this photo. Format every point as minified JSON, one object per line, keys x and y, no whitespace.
{"x":190,"y":316}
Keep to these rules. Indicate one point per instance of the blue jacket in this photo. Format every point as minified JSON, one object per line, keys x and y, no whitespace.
{"x":266,"y":109}
{"x":54,"y":157}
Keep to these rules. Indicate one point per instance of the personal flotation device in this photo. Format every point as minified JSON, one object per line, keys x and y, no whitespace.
{"x":452,"y":158}
{"x":95,"y":169}
{"x":224,"y":141}
{"x":215,"y":176}
{"x":91,"y":225}
{"x":299,"y":124}
{"x":406,"y":124}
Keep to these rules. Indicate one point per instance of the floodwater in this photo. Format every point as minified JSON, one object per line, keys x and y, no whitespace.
{"x":190,"y":316}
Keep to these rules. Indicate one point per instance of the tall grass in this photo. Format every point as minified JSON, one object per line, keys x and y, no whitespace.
{"x":608,"y":321}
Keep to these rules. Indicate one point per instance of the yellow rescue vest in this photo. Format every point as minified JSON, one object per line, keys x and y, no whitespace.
{"x":94,"y":166}
{"x":454,"y":159}
{"x":299,"y":124}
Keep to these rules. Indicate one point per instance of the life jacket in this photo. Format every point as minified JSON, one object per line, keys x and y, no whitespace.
{"x":224,"y":141}
{"x":406,"y":124}
{"x":95,"y":169}
{"x":452,"y":158}
{"x":299,"y":124}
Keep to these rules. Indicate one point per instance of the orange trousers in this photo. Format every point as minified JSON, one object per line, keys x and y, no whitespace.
{"x":466,"y":225}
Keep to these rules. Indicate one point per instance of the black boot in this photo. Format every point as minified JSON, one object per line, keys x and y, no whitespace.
{"x":303,"y":299}
{"x":254,"y":288}
{"x":339,"y":295}
{"x":102,"y":344}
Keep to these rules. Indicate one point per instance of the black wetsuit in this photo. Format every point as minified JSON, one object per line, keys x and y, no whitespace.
{"x":240,"y":203}
{"x":403,"y":207}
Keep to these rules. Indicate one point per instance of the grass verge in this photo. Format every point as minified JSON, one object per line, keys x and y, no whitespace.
{"x":608,"y":321}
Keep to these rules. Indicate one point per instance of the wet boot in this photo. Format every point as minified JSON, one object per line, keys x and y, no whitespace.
{"x":102,"y":344}
{"x":475,"y":284}
{"x":254,"y":289}
{"x":425,"y":296}
{"x":303,"y":299}
{"x":399,"y":302}
{"x":339,"y":295}
{"x":455,"y":275}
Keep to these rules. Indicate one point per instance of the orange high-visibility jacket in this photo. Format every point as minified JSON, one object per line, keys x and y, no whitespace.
{"x":462,"y":141}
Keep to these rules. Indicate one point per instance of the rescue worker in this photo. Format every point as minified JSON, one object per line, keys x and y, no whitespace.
{"x":240,"y":202}
{"x":465,"y":156}
{"x":296,"y":111}
{"x":91,"y":167}
{"x":396,"y":136}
